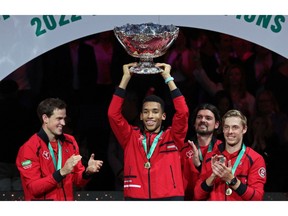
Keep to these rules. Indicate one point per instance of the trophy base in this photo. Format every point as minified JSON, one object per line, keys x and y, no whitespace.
{"x":145,"y":68}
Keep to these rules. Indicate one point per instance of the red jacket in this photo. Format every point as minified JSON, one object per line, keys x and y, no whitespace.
{"x":251,"y":171}
{"x":190,"y":172}
{"x":39,"y":179}
{"x":164,"y":179}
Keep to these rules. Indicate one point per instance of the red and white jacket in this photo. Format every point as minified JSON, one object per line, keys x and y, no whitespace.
{"x":39,"y":179}
{"x":251,"y":171}
{"x":164,"y":179}
{"x":190,"y":172}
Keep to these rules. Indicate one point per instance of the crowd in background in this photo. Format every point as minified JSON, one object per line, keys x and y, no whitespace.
{"x":207,"y":66}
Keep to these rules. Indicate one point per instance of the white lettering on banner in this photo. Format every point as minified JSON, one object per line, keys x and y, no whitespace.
{"x":24,"y":37}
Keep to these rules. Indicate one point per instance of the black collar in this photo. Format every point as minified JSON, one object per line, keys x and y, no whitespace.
{"x":42,"y":134}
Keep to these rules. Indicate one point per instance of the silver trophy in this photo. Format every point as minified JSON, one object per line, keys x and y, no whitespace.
{"x":146,"y":41}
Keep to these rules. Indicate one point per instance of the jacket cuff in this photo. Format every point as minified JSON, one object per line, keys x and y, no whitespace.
{"x":86,"y":176}
{"x":241,"y":189}
{"x":120,"y":92}
{"x":176,"y":93}
{"x":57,"y":176}
{"x":205,"y":187}
{"x":199,"y":167}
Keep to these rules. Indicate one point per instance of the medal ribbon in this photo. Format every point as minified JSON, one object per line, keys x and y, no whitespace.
{"x":200,"y":152}
{"x":59,"y":162}
{"x":239,"y":157}
{"x":155,"y":141}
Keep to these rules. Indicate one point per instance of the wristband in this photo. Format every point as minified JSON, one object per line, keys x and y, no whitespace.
{"x":168,"y":79}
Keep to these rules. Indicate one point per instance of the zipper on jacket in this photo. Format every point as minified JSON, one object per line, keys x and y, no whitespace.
{"x":62,"y":186}
{"x":172,"y":176}
{"x":148,"y":149}
{"x":226,"y":187}
{"x":149,"y":188}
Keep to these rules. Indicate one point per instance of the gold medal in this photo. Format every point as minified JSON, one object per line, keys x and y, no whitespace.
{"x":147,"y":165}
{"x":228,"y":191}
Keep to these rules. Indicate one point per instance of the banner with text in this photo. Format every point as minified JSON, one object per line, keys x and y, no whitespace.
{"x":24,"y":37}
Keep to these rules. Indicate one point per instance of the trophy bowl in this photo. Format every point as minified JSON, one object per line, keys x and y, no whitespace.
{"x":146,"y":41}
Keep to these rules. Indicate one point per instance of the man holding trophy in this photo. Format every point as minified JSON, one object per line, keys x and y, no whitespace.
{"x":152,"y":165}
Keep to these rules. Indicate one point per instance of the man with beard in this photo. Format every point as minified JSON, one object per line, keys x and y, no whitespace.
{"x":235,"y":172}
{"x":206,"y":123}
{"x":152,"y":165}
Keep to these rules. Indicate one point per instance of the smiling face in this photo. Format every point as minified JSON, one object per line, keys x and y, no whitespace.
{"x":233,"y":130}
{"x":53,"y":125}
{"x":205,"y":122}
{"x":152,"y":116}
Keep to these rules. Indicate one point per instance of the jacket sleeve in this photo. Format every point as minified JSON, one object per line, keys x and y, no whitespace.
{"x":180,"y":119}
{"x":254,"y":190}
{"x":119,"y":125}
{"x":201,"y":189}
{"x":28,"y":164}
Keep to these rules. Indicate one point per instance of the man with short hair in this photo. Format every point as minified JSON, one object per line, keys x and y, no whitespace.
{"x":49,"y":162}
{"x":235,"y":171}
{"x":152,"y":166}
